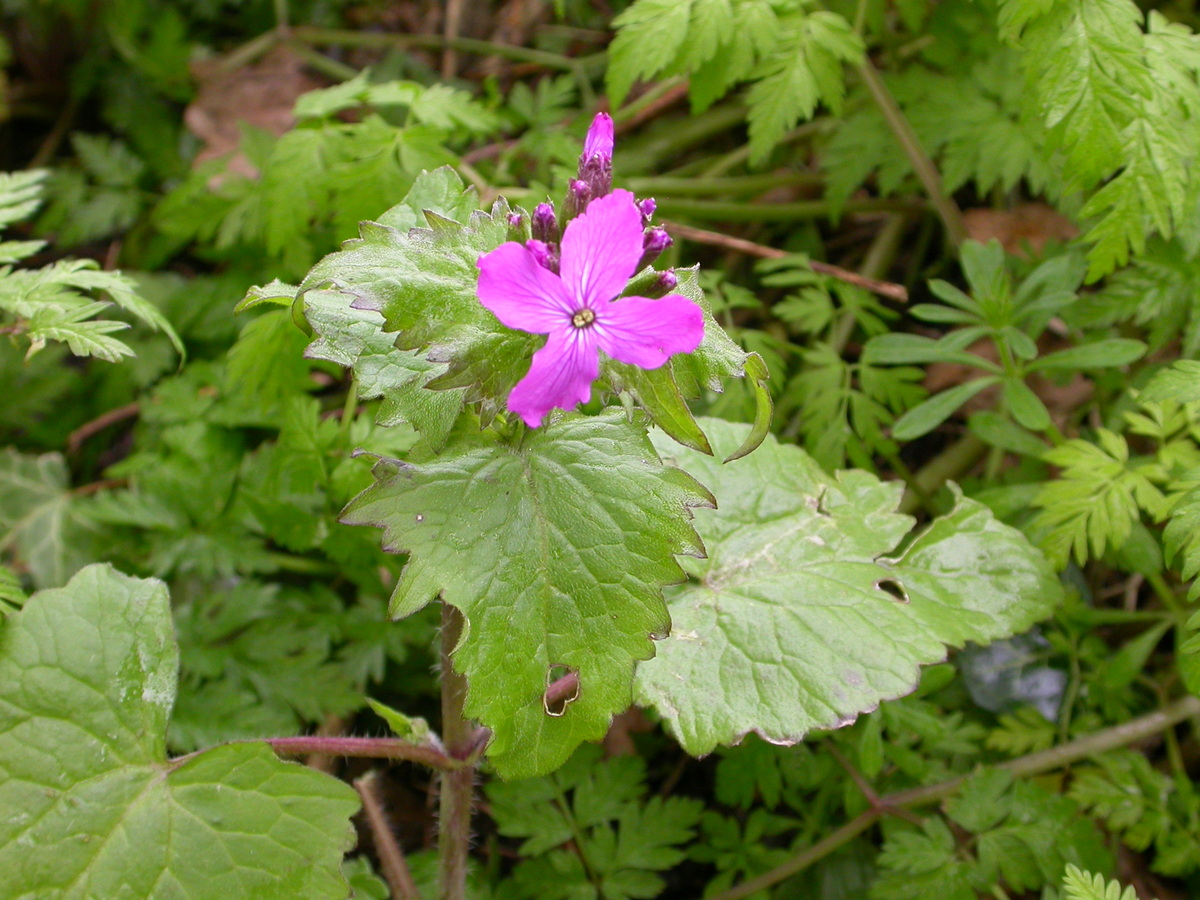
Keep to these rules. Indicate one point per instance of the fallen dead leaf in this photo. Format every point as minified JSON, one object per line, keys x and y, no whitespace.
{"x":261,"y":95}
{"x":1024,"y":227}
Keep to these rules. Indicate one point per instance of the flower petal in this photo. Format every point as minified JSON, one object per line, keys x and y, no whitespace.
{"x":561,"y":376}
{"x":523,"y":294}
{"x":645,"y":333}
{"x":601,"y":249}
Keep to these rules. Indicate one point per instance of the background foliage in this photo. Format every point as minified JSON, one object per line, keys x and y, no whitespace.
{"x":1021,"y":171}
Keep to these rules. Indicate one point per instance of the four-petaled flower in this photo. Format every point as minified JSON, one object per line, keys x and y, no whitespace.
{"x":578,"y":309}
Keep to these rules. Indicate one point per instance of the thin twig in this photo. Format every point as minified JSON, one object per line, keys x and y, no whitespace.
{"x":454,"y":10}
{"x":98,"y":424}
{"x":715,"y":238}
{"x":391,"y":856}
{"x":1026,"y":766}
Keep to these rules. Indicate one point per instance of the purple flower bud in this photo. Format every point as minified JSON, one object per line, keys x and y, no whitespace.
{"x":662,"y":285}
{"x":654,"y":242}
{"x":545,"y":254}
{"x":595,"y":163}
{"x":647,"y":208}
{"x":544,"y":224}
{"x":579,"y":195}
{"x":599,"y":140}
{"x":516,"y":226}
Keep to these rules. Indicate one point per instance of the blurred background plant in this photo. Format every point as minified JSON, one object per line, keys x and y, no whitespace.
{"x":962,"y":235}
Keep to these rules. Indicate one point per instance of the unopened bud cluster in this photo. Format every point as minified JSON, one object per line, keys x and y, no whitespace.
{"x":593,"y":180}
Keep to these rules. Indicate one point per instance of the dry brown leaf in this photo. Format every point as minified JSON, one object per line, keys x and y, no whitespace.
{"x":261,"y":95}
{"x":1029,"y":225}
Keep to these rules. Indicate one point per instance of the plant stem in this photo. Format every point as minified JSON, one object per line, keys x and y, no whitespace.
{"x":736,"y":211}
{"x":387,"y":848}
{"x":454,"y":832}
{"x":950,"y":464}
{"x":927,"y":172}
{"x":349,"y":411}
{"x":1025,"y":766}
{"x":354,"y":747}
{"x":879,"y":259}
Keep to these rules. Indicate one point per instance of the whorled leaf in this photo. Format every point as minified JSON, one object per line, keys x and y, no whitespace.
{"x":811,"y":608}
{"x":89,"y":805}
{"x":555,"y":549}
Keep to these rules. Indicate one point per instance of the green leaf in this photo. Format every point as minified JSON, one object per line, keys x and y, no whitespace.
{"x":904,"y":349}
{"x":937,"y":409}
{"x":1026,"y":406}
{"x":761,"y":637}
{"x":1081,"y":885}
{"x":663,"y":392}
{"x":355,"y":338}
{"x":494,"y":528}
{"x":36,"y":515}
{"x":1096,"y":355}
{"x":1085,"y":70}
{"x":91,"y":673}
{"x":806,"y":69}
{"x":650,"y":33}
{"x":1096,"y":500}
{"x":997,"y":431}
{"x":20,"y":194}
{"x":1179,"y":382}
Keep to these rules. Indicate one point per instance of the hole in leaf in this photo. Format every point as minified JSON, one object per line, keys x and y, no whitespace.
{"x":893,"y":587}
{"x":562,"y":688}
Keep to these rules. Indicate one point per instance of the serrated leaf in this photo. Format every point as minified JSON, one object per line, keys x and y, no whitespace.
{"x":805,"y":70}
{"x":355,"y":338}
{"x":1180,"y":382}
{"x":1081,"y":885}
{"x":20,"y":194}
{"x":423,"y":284}
{"x":495,"y":529}
{"x":92,"y":806}
{"x":802,"y":617}
{"x":650,"y":34}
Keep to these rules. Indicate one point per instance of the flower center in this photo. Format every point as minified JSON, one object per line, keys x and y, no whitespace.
{"x":583,"y":318}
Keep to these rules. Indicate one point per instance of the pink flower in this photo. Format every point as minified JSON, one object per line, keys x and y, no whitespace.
{"x":578,"y":310}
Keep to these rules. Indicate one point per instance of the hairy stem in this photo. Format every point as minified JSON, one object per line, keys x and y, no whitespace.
{"x":391,"y":856}
{"x":454,"y":830}
{"x":365,"y":748}
{"x":926,"y":171}
{"x":1025,"y":766}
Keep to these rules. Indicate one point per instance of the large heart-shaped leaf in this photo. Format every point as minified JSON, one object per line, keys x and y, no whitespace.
{"x":555,"y":549}
{"x":815,"y":603}
{"x":90,"y":807}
